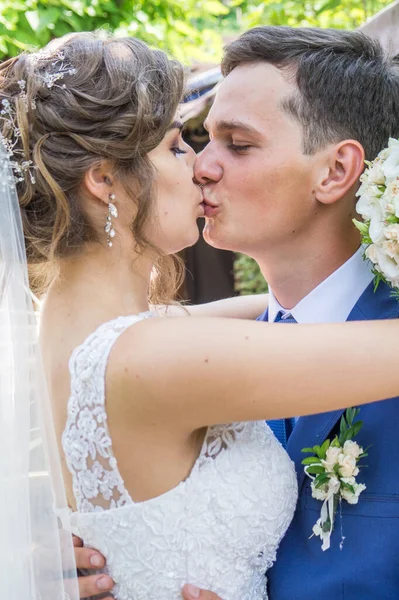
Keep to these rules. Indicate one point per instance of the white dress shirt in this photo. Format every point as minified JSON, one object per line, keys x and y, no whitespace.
{"x":334,"y":298}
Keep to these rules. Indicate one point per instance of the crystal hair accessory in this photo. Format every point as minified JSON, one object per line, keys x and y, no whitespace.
{"x":11,"y":140}
{"x":59,"y":67}
{"x":112,"y":213}
{"x":55,"y":69}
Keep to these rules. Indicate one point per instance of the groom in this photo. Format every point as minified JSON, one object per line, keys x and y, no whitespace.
{"x":289,"y":129}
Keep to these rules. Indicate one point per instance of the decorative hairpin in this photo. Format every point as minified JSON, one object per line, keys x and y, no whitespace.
{"x":20,"y":165}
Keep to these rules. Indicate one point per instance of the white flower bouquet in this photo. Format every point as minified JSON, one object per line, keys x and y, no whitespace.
{"x":378,"y":205}
{"x":333,"y":470}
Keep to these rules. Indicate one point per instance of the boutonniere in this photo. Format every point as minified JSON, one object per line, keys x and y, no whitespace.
{"x":333,"y":469}
{"x":378,"y":205}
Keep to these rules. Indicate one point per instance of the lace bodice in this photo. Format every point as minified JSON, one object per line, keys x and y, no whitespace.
{"x":219,"y":529}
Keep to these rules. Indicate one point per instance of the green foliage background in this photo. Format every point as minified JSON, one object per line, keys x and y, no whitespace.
{"x":190,"y":30}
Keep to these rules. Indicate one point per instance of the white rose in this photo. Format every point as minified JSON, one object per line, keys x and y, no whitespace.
{"x":383,"y":155}
{"x":391,"y":232}
{"x":350,"y":497}
{"x":352,"y":449}
{"x":319,"y":493}
{"x":371,"y":253}
{"x":391,"y":249}
{"x":331,"y":458}
{"x":386,"y":265}
{"x":347,"y":465}
{"x":368,"y":196}
{"x":393,"y":143}
{"x":391,"y":197}
{"x":376,"y":229}
{"x":376,"y":174}
{"x":391,"y":165}
{"x":364,"y":204}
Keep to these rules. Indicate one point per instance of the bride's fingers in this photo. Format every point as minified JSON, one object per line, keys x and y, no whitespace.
{"x":191,"y":592}
{"x":77,"y":542}
{"x":93,"y":585}
{"x":87,"y":558}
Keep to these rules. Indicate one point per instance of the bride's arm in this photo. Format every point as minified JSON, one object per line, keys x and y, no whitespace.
{"x":239,"y":307}
{"x":196,"y":372}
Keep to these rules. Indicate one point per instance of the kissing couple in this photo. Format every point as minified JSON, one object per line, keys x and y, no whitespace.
{"x":159,"y":410}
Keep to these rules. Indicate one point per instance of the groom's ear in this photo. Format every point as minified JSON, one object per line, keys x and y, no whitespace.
{"x":343,"y":164}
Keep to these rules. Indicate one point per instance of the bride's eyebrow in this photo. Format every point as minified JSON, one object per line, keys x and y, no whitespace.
{"x":176,"y":125}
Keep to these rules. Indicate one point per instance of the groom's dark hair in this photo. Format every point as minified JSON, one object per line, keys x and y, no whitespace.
{"x":348,"y":87}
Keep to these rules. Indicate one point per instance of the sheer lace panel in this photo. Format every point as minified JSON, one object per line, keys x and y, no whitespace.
{"x":97,"y":483}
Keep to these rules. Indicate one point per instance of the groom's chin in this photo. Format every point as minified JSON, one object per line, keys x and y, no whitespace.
{"x":208,"y":233}
{"x":213,"y":237}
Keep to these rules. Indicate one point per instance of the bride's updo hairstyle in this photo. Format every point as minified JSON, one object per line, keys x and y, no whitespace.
{"x":81,"y":100}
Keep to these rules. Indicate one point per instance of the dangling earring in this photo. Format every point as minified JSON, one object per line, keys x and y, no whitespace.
{"x":112,"y":212}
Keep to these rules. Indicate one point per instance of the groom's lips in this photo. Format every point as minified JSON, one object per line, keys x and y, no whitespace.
{"x":209,"y":209}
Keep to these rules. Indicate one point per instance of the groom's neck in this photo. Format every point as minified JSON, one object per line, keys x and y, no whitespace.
{"x":294,"y":272}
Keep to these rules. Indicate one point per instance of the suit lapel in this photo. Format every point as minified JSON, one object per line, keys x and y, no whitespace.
{"x":314,"y":429}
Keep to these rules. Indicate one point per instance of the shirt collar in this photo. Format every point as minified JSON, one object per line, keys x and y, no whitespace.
{"x":333,"y":299}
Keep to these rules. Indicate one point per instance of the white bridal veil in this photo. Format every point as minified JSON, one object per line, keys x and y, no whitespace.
{"x":36,"y":554}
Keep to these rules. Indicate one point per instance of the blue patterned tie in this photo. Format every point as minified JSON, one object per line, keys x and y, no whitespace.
{"x":282,"y":428}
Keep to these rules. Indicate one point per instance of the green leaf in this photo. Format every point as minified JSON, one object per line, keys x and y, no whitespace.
{"x":350,"y":415}
{"x":329,"y":5}
{"x":307,"y":450}
{"x":317,"y":450}
{"x":324,"y":447}
{"x":343,"y":425}
{"x":351,"y":432}
{"x":315,"y":469}
{"x":311,"y":460}
{"x":347,"y":486}
{"x":326,"y":525}
{"x":214,"y":7}
{"x":321,"y":479}
{"x":362,"y":227}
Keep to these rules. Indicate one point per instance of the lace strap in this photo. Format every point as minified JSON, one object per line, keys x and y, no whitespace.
{"x":97,"y":483}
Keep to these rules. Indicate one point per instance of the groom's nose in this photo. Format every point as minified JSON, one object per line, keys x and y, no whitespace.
{"x":207,"y":168}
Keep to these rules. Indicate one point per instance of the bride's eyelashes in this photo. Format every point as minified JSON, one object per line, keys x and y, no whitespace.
{"x":175,"y":146}
{"x":177,"y":150}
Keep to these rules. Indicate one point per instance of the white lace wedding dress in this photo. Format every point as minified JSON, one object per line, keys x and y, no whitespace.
{"x":219,"y":529}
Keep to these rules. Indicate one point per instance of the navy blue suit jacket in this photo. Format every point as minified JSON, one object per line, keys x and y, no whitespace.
{"x":367,"y":567}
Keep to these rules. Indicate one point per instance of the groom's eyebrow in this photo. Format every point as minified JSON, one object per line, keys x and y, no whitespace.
{"x":228,"y":126}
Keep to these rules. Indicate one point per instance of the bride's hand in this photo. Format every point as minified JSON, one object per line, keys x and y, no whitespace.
{"x":190,"y":592}
{"x":91,"y":585}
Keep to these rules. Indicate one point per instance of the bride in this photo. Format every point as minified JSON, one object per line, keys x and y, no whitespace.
{"x":156,"y":483}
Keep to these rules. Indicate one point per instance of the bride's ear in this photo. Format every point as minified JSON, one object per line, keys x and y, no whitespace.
{"x":342,"y":169}
{"x":99,"y":181}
